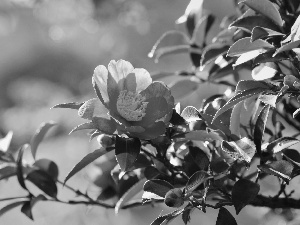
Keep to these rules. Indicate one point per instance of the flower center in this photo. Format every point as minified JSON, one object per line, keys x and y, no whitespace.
{"x":131,"y":106}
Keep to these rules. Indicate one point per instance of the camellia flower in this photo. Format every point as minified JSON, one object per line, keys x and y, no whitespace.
{"x":129,"y":102}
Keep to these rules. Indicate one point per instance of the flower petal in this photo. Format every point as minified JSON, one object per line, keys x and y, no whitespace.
{"x":119,"y":70}
{"x":151,"y":132}
{"x":100,"y":77}
{"x":135,"y":129}
{"x":143,"y":79}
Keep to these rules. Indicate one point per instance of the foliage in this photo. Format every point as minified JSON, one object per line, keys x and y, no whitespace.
{"x":211,"y":157}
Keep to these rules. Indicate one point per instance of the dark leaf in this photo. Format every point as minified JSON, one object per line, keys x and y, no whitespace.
{"x":129,"y":194}
{"x":265,"y":8}
{"x":43,"y":181}
{"x":47,"y":166}
{"x":201,"y":30}
{"x":196,"y":180}
{"x":9,"y":207}
{"x":293,"y":156}
{"x":27,"y":206}
{"x":244,"y":85}
{"x":245,"y":45}
{"x":281,"y":168}
{"x":71,"y":105}
{"x":235,"y":119}
{"x":263,"y":32}
{"x":176,"y":119}
{"x":127,"y":151}
{"x":268,"y":57}
{"x":200,"y":158}
{"x":151,"y":172}
{"x":89,"y":158}
{"x":260,"y":127}
{"x":250,"y":22}
{"x":212,"y":51}
{"x":20,"y":174}
{"x":174,"y":198}
{"x":39,"y":136}
{"x":199,"y":135}
{"x":161,"y":219}
{"x":225,"y":217}
{"x":281,"y":143}
{"x":158,"y":187}
{"x":243,"y":192}
{"x":186,"y":215}
{"x":7,"y":171}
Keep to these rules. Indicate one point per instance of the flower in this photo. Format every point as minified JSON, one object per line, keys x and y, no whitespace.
{"x":129,"y":101}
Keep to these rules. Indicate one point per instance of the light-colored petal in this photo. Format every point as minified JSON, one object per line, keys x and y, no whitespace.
{"x":143,"y":79}
{"x":119,"y":70}
{"x":100,"y":76}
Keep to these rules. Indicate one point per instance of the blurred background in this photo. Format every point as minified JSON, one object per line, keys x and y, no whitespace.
{"x":48,"y":51}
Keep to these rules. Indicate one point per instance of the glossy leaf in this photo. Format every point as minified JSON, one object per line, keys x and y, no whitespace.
{"x":158,"y":187}
{"x":244,"y":85}
{"x":71,"y":105}
{"x":39,"y":136}
{"x":89,"y":158}
{"x":281,"y":168}
{"x":127,"y":151}
{"x":199,"y":135}
{"x":260,"y":127}
{"x":243,"y":192}
{"x":212,"y":51}
{"x":43,"y":181}
{"x":263,"y":32}
{"x":287,"y":47}
{"x":196,"y":180}
{"x":245,"y":45}
{"x":225,"y":217}
{"x":265,"y":8}
{"x":199,"y":157}
{"x":190,"y":114}
{"x":268,"y":99}
{"x":281,"y":143}
{"x":83,"y":126}
{"x":129,"y":194}
{"x":264,"y":71}
{"x":243,"y":149}
{"x":166,"y":218}
{"x":235,"y":119}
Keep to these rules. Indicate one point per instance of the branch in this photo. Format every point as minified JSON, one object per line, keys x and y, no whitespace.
{"x":274,"y":203}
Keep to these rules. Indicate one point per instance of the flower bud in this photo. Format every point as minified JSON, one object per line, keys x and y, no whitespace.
{"x":105,"y":140}
{"x":174,"y":198}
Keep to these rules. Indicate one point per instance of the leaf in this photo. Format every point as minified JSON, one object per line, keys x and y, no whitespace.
{"x":265,"y":8}
{"x":281,"y":143}
{"x":296,"y":113}
{"x":10,"y":206}
{"x":268,"y":57}
{"x":225,"y":217}
{"x":293,"y":156}
{"x":127,"y":151}
{"x":89,"y":158}
{"x":43,"y":181}
{"x":269,"y":99}
{"x":250,"y":22}
{"x":247,"y":56}
{"x":263,"y":32}
{"x":235,"y":119}
{"x":243,"y":149}
{"x":190,"y":114}
{"x":260,"y":127}
{"x":264,"y":71}
{"x":238,"y":98}
{"x":39,"y":136}
{"x":20,"y":166}
{"x":161,"y":75}
{"x":47,"y":166}
{"x":5,"y":142}
{"x":182,"y":88}
{"x":129,"y":194}
{"x":244,"y":85}
{"x":196,"y":180}
{"x":161,"y":219}
{"x":213,"y":51}
{"x":287,"y":47}
{"x":201,"y":30}
{"x":169,"y":42}
{"x":27,"y":206}
{"x":199,"y":135}
{"x":7,"y":171}
{"x":245,"y":45}
{"x":186,"y":215}
{"x":200,"y":158}
{"x":71,"y":105}
{"x":281,"y":168}
{"x":243,"y":192}
{"x":158,"y":187}
{"x":83,"y":126}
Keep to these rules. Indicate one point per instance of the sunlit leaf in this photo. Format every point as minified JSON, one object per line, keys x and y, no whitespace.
{"x":281,"y":143}
{"x":5,"y":142}
{"x":281,"y":168}
{"x":264,"y":71}
{"x":287,"y":47}
{"x":190,"y":114}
